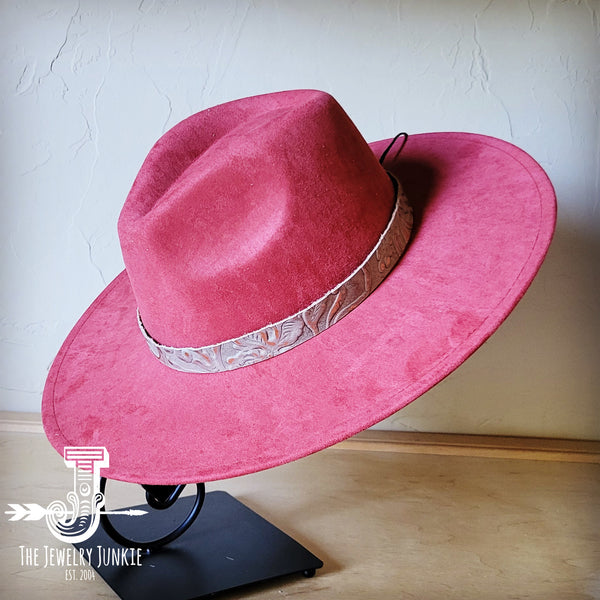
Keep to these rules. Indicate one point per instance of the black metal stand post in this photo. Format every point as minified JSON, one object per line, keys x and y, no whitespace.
{"x":159,"y":497}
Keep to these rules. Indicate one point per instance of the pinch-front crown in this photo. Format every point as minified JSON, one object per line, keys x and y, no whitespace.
{"x":248,"y":212}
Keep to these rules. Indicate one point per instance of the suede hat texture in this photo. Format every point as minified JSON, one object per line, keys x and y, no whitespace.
{"x":248,"y":213}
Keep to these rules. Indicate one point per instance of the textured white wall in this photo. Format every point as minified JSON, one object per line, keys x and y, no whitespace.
{"x":88,"y":86}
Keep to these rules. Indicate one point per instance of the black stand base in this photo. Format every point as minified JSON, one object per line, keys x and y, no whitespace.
{"x":228,"y":546}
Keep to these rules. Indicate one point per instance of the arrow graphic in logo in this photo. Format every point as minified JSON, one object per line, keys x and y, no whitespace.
{"x":79,"y":521}
{"x":35,"y":512}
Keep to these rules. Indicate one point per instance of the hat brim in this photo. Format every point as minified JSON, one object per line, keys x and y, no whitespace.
{"x":484,"y":217}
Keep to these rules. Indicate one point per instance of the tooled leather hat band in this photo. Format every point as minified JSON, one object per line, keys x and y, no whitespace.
{"x":288,"y":333}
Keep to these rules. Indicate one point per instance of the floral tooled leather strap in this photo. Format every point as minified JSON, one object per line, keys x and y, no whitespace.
{"x":292,"y":331}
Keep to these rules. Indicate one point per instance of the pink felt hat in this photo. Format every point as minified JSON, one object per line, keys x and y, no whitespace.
{"x":275,"y":300}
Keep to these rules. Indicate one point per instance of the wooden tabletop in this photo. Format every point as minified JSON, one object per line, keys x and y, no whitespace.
{"x":386,"y":524}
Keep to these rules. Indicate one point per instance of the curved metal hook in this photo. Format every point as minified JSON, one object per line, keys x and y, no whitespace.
{"x":157,"y":543}
{"x":404,"y":136}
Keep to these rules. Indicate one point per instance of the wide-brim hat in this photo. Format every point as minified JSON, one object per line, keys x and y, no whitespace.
{"x":263,"y":314}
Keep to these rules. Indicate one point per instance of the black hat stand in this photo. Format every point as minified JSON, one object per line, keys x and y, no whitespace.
{"x":226,"y":547}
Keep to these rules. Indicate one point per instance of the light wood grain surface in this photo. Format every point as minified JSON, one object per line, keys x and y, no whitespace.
{"x":386,"y":524}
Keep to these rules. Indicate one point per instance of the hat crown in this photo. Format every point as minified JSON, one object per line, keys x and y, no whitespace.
{"x":246,"y":213}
